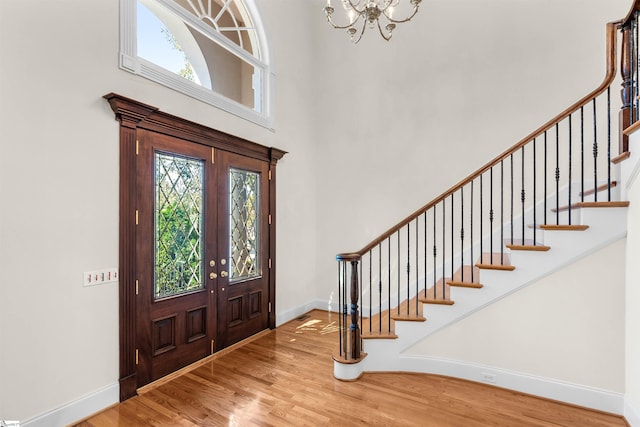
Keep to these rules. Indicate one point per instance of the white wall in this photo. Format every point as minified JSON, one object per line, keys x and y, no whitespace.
{"x":59,"y":187}
{"x":569,"y":327}
{"x":364,"y":126}
{"x":454,"y":88}
{"x":632,"y":350}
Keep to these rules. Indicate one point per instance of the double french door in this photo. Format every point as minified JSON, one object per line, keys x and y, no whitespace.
{"x":202,"y":251}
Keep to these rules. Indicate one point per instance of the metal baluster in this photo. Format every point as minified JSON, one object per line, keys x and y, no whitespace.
{"x":491,"y":215}
{"x":417,"y":266}
{"x":452,"y":238}
{"x":444,"y":245}
{"x":408,"y":268}
{"x":557,"y":174}
{"x":461,"y":235}
{"x":398,"y":264}
{"x":379,"y":287}
{"x":435,"y":251}
{"x":501,"y":212}
{"x":582,"y":153}
{"x":481,"y":218}
{"x":570,"y":158}
{"x":535,"y":194}
{"x":609,"y":143}
{"x":522,"y":192}
{"x":595,"y":152}
{"x":389,"y":281}
{"x":426,"y":270}
{"x":471,"y":236}
{"x":370,"y":293}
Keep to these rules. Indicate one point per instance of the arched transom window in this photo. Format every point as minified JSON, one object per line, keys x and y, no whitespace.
{"x":212,"y":50}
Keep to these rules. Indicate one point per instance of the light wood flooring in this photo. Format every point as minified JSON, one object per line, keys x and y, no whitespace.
{"x":285,"y":378}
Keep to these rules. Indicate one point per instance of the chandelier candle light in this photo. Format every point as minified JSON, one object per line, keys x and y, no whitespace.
{"x":363,"y":13}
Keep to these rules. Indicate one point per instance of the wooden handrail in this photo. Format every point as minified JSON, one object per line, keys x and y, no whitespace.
{"x":611,"y":57}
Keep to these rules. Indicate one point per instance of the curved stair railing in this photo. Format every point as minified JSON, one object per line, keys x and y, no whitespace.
{"x":538,"y":184}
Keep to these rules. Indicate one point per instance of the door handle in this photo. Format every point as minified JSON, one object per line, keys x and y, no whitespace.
{"x":223,"y":273}
{"x":213,"y":275}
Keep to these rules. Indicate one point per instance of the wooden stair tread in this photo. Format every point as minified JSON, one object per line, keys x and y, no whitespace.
{"x":525,"y":245}
{"x":372,"y":335}
{"x":407,"y":311}
{"x":462,"y":278}
{"x":600,"y":188}
{"x":495,"y":261}
{"x":620,"y":204}
{"x":580,"y":205}
{"x":438,"y":294}
{"x":378,"y":326}
{"x":382,"y":325}
{"x":621,"y":157}
{"x":564,"y":227}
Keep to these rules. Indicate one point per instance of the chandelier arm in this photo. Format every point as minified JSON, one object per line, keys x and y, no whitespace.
{"x":400,"y":21}
{"x":384,"y":36}
{"x":341,"y":27}
{"x":362,"y":30}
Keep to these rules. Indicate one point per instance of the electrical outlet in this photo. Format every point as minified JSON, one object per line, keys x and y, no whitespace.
{"x":488,"y":378}
{"x":99,"y":277}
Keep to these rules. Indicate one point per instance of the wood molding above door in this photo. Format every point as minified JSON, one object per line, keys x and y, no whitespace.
{"x":133,"y":117}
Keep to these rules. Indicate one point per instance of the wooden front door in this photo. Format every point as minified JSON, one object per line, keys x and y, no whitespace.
{"x":201,"y":251}
{"x":243,"y":280}
{"x":177,"y":306}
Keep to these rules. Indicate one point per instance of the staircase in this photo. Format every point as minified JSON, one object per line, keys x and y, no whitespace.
{"x":549,"y":200}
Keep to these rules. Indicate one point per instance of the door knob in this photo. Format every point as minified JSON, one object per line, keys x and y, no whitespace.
{"x":224,"y":273}
{"x":223,"y":261}
{"x":212,"y":263}
{"x":212,"y":275}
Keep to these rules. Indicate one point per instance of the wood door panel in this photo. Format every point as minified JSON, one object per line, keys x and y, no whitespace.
{"x":164,"y":335}
{"x":196,"y":324}
{"x":235,"y":311}
{"x":255,"y":304}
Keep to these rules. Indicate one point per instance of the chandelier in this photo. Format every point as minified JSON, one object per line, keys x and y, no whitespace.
{"x":370,"y":13}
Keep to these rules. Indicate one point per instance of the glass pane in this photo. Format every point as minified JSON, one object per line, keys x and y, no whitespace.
{"x":228,"y":17}
{"x":166,"y":40}
{"x":179,"y":223}
{"x":244,"y":224}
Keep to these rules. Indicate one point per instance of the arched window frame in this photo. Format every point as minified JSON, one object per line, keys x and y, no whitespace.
{"x":131,"y":62}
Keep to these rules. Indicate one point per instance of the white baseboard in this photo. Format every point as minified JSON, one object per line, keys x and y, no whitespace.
{"x":288,"y":315}
{"x":549,"y":388}
{"x":78,"y":409}
{"x":631,"y":413}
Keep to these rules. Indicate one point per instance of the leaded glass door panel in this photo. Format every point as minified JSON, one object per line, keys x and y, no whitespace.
{"x":243,"y":297}
{"x":177,"y":243}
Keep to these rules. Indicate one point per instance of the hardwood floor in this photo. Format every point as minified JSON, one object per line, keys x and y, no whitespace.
{"x":285,"y":378}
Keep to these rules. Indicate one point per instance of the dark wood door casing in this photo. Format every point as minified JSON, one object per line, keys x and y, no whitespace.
{"x":133,"y":117}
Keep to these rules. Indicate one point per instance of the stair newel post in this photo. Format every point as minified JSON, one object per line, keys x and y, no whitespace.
{"x":626,"y":71}
{"x":354,"y":328}
{"x":351,"y":337}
